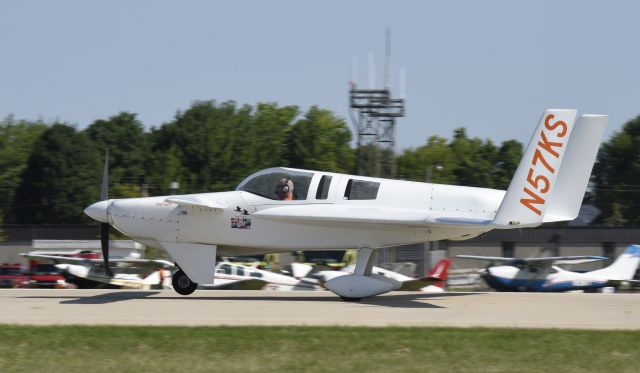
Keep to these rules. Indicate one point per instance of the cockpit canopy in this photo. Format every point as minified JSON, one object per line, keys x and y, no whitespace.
{"x":267,"y":183}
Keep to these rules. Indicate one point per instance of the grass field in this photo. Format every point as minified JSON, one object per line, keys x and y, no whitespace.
{"x":313,"y":349}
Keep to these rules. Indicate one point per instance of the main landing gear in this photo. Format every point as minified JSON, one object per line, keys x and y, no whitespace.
{"x":182,"y":284}
{"x":348,"y":299}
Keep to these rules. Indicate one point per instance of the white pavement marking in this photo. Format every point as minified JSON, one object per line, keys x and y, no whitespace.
{"x":127,"y":307}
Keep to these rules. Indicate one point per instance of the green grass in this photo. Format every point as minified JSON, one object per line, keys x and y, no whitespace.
{"x":313,"y":349}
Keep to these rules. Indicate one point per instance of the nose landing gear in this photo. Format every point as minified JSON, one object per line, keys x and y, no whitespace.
{"x":182,"y":284}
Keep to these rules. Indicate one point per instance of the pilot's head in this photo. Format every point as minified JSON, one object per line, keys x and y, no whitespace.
{"x":284,"y":188}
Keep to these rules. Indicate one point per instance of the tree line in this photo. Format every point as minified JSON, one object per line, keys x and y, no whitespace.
{"x":49,"y":172}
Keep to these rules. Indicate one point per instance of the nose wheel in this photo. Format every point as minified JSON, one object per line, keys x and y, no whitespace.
{"x":182,"y":284}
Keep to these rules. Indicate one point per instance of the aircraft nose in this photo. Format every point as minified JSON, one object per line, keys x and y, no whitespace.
{"x":98,"y":211}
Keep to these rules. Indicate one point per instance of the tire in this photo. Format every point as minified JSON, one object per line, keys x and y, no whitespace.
{"x":182,"y":284}
{"x":347,"y":299}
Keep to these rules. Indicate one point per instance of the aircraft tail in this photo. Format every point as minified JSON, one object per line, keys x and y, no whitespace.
{"x":439,"y":272}
{"x":553,"y":174}
{"x":625,"y":266}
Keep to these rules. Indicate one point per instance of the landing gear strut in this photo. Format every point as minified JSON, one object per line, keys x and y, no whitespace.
{"x":182,"y":284}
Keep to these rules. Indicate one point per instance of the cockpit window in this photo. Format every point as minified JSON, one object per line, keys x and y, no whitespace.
{"x":278,"y":184}
{"x":361,"y":190}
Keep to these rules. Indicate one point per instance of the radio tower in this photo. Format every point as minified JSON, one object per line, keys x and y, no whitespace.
{"x":373,"y":113}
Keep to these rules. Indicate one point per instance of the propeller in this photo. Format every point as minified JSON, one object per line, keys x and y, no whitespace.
{"x":104,"y":227}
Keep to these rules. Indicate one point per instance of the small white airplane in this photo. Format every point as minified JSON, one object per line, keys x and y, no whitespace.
{"x":545,"y":275}
{"x":234,"y":276}
{"x":431,"y":283}
{"x":126,"y":273}
{"x":145,"y":273}
{"x":285,"y":209}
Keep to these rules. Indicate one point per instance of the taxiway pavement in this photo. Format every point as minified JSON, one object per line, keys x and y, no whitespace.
{"x":225,"y":307}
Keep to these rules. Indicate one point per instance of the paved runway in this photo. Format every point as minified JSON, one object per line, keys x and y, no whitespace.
{"x":125,"y":307}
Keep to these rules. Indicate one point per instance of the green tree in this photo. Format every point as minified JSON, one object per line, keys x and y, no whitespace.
{"x":617,"y":176}
{"x":218,"y":145}
{"x":320,"y":141}
{"x":434,"y":160}
{"x":509,"y":156}
{"x":62,"y":177}
{"x":124,"y":136}
{"x":17,"y":138}
{"x":476,"y":160}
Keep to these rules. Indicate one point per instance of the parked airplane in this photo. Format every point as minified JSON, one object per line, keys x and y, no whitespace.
{"x":145,"y":273}
{"x":432,"y":283}
{"x":127,"y":273}
{"x":285,"y":209}
{"x":543,"y":274}
{"x":234,"y":276}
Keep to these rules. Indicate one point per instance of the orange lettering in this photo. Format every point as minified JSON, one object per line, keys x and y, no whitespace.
{"x":538,"y":155}
{"x":552,"y":127}
{"x":534,"y":199}
{"x":548,"y":145}
{"x":536,"y":182}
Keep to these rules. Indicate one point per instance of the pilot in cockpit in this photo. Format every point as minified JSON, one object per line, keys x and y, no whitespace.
{"x":284,"y":189}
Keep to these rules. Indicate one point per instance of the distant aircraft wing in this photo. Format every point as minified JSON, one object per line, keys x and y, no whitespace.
{"x":417,"y":284}
{"x":634,"y":283}
{"x":487,"y":258}
{"x":227,"y":284}
{"x":140,"y":263}
{"x":331,"y":214}
{"x":196,"y":201}
{"x":549,"y":260}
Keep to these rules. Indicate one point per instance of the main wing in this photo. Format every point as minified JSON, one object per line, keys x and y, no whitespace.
{"x":339,"y":214}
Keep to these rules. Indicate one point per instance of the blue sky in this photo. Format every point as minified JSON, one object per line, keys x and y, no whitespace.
{"x":490,"y":66}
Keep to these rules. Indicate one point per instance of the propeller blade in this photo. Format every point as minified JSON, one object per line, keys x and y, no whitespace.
{"x":104,"y":227}
{"x":104,"y":191}
{"x":104,"y":243}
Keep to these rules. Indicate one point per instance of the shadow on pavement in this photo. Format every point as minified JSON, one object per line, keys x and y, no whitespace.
{"x":404,"y":300}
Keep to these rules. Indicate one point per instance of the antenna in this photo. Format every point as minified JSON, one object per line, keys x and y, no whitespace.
{"x":354,"y":70}
{"x":372,"y":71}
{"x":403,"y":82}
{"x":387,"y":57}
{"x":373,"y":114}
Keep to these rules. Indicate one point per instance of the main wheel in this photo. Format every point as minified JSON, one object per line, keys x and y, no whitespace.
{"x":347,"y":299}
{"x":182,"y":284}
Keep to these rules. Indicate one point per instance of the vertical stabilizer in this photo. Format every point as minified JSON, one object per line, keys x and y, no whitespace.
{"x":439,"y":272}
{"x":624,"y":268}
{"x":577,"y":164}
{"x":532,"y":186}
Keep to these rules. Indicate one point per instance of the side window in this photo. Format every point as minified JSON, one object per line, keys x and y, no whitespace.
{"x":323,"y":187}
{"x":240,"y":271}
{"x":256,"y":274}
{"x":226,"y":269}
{"x":361,"y":190}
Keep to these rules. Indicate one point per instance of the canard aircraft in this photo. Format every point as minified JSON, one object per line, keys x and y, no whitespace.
{"x":286,"y":209}
{"x":544,"y":274}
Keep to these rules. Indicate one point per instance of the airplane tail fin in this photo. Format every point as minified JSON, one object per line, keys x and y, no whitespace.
{"x":624,"y":267}
{"x":553,"y":174}
{"x":439,"y":272}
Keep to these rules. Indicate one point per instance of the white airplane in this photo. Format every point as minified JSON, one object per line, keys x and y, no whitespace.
{"x":431,"y":283}
{"x":234,"y":276}
{"x":145,"y":273}
{"x":544,"y":275}
{"x":127,"y":273}
{"x":285,"y":209}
